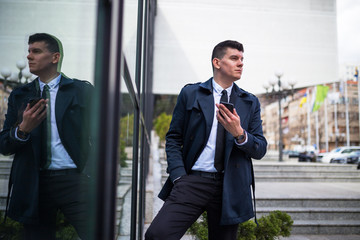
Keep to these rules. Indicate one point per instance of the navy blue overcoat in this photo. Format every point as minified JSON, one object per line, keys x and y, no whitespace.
{"x":73,"y":102}
{"x":188,"y":134}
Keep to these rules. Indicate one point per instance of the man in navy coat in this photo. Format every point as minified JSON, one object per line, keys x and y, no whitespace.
{"x":50,"y":142}
{"x":211,"y":169}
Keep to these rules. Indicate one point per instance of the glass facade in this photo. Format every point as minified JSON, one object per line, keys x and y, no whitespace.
{"x":110,"y":44}
{"x":124,"y":105}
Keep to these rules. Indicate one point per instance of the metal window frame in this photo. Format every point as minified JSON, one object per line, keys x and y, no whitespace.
{"x":110,"y":65}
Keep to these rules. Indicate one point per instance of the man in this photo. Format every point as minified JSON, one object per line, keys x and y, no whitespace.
{"x":210,"y":168}
{"x":50,"y":139}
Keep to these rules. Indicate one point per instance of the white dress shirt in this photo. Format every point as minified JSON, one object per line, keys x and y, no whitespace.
{"x":205,"y":162}
{"x":60,"y":158}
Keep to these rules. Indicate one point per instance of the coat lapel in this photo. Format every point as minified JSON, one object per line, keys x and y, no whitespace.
{"x":242,"y":104}
{"x":206,"y":103}
{"x":32,"y":90}
{"x":64,"y":97}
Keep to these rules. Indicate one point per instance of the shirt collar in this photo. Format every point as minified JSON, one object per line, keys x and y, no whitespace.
{"x":52,"y":84}
{"x":218,"y":89}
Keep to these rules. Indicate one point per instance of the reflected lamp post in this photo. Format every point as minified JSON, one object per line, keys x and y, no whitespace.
{"x":12,"y":80}
{"x":15,"y":79}
{"x":279,"y":92}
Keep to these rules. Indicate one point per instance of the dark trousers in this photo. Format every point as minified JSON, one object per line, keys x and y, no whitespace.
{"x":189,"y":198}
{"x":66,"y":193}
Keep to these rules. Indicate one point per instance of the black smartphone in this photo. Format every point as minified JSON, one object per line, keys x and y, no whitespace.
{"x":33,"y":101}
{"x":229,"y":106}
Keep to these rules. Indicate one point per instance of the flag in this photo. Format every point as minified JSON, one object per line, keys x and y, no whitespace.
{"x":356,"y":75}
{"x":321,"y":92}
{"x":303,"y":100}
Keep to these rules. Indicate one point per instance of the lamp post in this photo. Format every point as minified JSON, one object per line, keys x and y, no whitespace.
{"x":279,"y":93}
{"x":15,"y":79}
{"x":21,"y":64}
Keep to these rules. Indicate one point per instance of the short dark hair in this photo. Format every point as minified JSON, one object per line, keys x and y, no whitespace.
{"x":51,"y":42}
{"x":220,"y":49}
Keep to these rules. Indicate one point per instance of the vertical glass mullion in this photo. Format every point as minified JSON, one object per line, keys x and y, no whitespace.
{"x":107,"y":79}
{"x":143,"y":129}
{"x":136,"y":122}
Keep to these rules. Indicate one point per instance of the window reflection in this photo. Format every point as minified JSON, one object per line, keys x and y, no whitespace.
{"x":73,"y":22}
{"x":125,"y":152}
{"x":130,"y":35}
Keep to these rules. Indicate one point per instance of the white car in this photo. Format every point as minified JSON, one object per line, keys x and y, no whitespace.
{"x":337,"y":153}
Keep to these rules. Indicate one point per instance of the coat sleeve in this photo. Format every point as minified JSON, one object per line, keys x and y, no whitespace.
{"x":9,"y":144}
{"x":174,"y":139}
{"x":256,"y":144}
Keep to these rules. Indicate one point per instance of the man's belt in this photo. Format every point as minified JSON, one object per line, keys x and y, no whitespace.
{"x":212,"y":175}
{"x":60,"y":172}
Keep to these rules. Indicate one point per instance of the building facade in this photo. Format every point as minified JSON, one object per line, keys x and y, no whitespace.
{"x":335,"y":123}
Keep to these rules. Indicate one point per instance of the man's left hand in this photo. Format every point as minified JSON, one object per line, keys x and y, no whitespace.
{"x":230,"y":120}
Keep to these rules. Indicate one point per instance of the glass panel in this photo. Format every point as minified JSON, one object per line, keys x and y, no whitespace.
{"x":74,"y":24}
{"x":130,"y":36}
{"x":126,"y":127}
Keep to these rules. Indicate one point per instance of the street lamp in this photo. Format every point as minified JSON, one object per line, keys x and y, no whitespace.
{"x":279,"y":93}
{"x":15,"y":79}
{"x":21,"y":64}
{"x":27,"y":75}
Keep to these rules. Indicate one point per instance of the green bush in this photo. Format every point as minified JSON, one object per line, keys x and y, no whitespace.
{"x":125,"y":137}
{"x":123,"y":154}
{"x":246,"y":231}
{"x":200,"y":228}
{"x":12,"y":230}
{"x":162,"y":124}
{"x":64,"y":230}
{"x":270,"y":227}
{"x":127,"y":129}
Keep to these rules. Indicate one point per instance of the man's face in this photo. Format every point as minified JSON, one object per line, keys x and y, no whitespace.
{"x":231,"y":65}
{"x":40,"y":59}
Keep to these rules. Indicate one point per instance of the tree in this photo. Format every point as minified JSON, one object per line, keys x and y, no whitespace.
{"x":162,"y":124}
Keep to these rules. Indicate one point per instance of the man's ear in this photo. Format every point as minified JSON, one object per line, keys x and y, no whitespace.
{"x":215,"y":63}
{"x":56,"y":57}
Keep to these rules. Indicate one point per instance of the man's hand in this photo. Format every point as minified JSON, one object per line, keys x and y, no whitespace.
{"x":32,"y":117}
{"x":230,"y":120}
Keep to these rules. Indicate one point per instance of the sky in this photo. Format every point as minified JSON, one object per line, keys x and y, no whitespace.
{"x":348,"y":23}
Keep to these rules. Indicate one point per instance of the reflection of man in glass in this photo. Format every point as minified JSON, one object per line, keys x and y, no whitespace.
{"x":209,"y":147}
{"x":46,"y":127}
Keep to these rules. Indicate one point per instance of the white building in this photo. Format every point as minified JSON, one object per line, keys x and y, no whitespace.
{"x":298,"y":37}
{"x":347,"y":71}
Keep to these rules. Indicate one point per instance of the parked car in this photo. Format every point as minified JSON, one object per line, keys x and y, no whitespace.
{"x":291,"y":153}
{"x":337,"y":154}
{"x":351,"y":158}
{"x":307,"y":157}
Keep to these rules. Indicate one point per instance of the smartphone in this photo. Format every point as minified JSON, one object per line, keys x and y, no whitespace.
{"x":33,"y":101}
{"x":229,"y":106}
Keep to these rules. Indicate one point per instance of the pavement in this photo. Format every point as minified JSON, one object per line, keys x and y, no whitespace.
{"x":319,"y":190}
{"x":321,"y":237}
